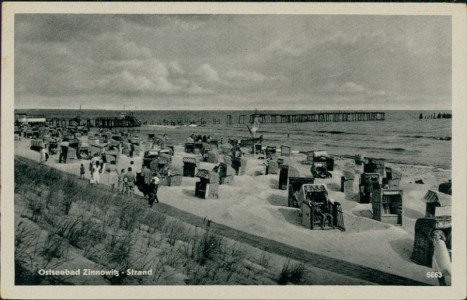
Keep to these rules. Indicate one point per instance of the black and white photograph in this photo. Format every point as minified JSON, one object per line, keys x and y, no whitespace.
{"x":202,"y":147}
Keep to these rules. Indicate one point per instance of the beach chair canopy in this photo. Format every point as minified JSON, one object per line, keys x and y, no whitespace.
{"x":314,"y":193}
{"x":391,"y":196}
{"x":151,"y":154}
{"x":162,"y":161}
{"x":191,"y":160}
{"x":320,"y":153}
{"x":439,"y":199}
{"x":211,"y":177}
{"x":313,"y":188}
{"x":202,"y":173}
{"x":370,"y":177}
{"x":320,"y":164}
{"x":98,"y":146}
{"x":165,"y":151}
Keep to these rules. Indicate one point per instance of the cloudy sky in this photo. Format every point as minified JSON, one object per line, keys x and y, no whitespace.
{"x":232,"y":61}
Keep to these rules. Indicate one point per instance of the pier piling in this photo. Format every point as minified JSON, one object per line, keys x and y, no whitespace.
{"x":354,"y":116}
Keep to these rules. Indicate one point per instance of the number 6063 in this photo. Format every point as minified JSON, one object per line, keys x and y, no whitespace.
{"x":434,"y":274}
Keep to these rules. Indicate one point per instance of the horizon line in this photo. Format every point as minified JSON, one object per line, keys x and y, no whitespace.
{"x":138,"y":110}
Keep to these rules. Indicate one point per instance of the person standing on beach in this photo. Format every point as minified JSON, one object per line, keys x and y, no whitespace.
{"x":95,"y":173}
{"x":147,"y":175}
{"x":97,"y":170}
{"x":129,"y":180}
{"x":103,"y":160}
{"x":94,"y":159}
{"x":112,"y":175}
{"x":81,"y":172}
{"x":44,"y":155}
{"x":121,"y":185}
{"x":153,"y":187}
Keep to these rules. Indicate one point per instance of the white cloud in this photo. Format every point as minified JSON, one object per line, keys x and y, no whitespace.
{"x":290,"y":48}
{"x":337,"y":57}
{"x":380,"y":93}
{"x":244,"y":75}
{"x":195,"y":89}
{"x":207,"y":73}
{"x":111,"y":47}
{"x":352,"y":87}
{"x":175,"y":68}
{"x":348,"y":87}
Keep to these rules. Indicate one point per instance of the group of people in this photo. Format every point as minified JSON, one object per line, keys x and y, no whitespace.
{"x":199,"y":138}
{"x":150,"y":185}
{"x":123,"y":181}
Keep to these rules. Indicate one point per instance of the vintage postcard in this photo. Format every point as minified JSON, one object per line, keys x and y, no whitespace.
{"x":233,"y":150}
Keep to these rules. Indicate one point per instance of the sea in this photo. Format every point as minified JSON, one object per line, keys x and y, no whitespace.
{"x":401,"y":138}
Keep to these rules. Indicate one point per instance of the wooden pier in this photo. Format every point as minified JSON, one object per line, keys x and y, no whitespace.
{"x":353,"y":116}
{"x":102,"y":122}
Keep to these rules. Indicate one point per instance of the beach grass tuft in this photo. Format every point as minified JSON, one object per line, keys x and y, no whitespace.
{"x":291,"y":273}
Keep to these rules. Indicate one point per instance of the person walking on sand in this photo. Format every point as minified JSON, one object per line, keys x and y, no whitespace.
{"x":95,"y":173}
{"x":121,"y":186}
{"x":81,"y":172}
{"x":44,"y":155}
{"x":153,"y":187}
{"x":147,"y":176}
{"x":103,"y":160}
{"x":129,"y":180}
{"x":93,"y":161}
{"x":112,"y":175}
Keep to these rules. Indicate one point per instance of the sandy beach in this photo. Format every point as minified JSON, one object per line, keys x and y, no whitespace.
{"x":255,"y":205}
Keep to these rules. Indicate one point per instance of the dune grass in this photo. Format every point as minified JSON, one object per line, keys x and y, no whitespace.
{"x":117,"y":232}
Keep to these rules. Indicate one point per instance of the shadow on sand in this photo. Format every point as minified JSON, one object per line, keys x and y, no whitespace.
{"x":274,"y":184}
{"x":277,"y":200}
{"x":355,"y":197}
{"x":335,"y":187}
{"x":366,"y":213}
{"x":188,"y":192}
{"x":413,"y":214}
{"x":291,"y":215}
{"x":403,"y":247}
